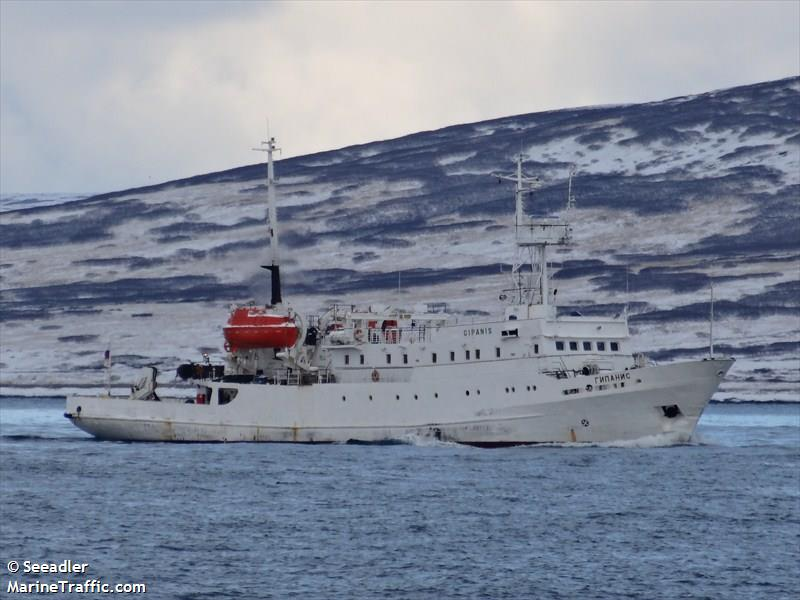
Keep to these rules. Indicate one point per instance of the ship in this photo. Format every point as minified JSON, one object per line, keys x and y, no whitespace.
{"x":378,"y":373}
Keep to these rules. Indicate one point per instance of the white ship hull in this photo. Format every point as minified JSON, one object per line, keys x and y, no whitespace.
{"x":366,"y":374}
{"x":535,"y":409}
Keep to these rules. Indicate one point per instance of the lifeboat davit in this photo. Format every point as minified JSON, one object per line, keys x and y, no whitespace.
{"x":252,"y":327}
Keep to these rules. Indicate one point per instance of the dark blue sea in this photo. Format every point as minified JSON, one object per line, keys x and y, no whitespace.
{"x":718,"y":518}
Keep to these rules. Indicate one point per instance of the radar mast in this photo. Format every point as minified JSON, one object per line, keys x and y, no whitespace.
{"x":532,"y":236}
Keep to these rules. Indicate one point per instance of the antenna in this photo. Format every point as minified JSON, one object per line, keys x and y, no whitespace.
{"x":570,"y":197}
{"x":627,"y":291}
{"x":107,"y":367}
{"x":711,"y":322}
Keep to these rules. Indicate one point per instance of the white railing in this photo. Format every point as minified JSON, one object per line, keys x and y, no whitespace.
{"x":398,"y":335}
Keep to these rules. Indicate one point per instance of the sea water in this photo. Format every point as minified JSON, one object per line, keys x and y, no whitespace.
{"x":718,"y":518}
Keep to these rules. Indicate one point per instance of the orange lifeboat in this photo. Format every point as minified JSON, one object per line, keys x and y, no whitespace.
{"x":253,"y":327}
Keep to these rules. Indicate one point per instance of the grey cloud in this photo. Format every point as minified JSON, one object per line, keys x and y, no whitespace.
{"x":102,"y":96}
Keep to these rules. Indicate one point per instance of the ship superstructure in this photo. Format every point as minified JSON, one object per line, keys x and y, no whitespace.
{"x":378,"y":373}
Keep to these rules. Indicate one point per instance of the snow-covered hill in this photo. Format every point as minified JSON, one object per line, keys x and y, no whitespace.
{"x":670,"y":195}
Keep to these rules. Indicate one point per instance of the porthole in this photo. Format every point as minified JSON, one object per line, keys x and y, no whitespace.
{"x":528,"y":388}
{"x":478,"y":392}
{"x":534,"y":388}
{"x":436,"y":395}
{"x":467,"y":392}
{"x":343,"y":398}
{"x":506,"y":390}
{"x":397,"y":396}
{"x":513,"y":389}
{"x":416,"y":397}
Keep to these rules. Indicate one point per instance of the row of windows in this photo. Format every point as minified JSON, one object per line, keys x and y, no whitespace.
{"x":468,"y":354}
{"x":587,"y":346}
{"x":397,"y":397}
{"x":560,"y":346}
{"x":511,"y":390}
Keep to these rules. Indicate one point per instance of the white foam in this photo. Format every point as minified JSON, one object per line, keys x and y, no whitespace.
{"x":661,"y":440}
{"x":427,"y":441}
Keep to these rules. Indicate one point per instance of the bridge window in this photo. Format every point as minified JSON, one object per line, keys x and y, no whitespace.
{"x":477,"y":354}
{"x":559,"y":345}
{"x":466,"y":354}
{"x":388,"y":359}
{"x":433,"y":357}
{"x":225,"y":395}
{"x":614,"y":347}
{"x":536,"y":348}
{"x":601,"y":346}
{"x":587,"y":346}
{"x":573,"y":345}
{"x":347,"y":359}
{"x":361,"y":359}
{"x":405,"y":359}
{"x":497,"y":352}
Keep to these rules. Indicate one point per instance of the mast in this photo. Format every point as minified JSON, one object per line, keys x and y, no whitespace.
{"x":532,"y":236}
{"x":272,"y":224}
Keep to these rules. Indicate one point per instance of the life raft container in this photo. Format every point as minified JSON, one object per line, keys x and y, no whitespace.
{"x":252,"y":327}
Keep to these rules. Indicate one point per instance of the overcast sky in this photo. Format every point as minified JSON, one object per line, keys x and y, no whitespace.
{"x":100,"y":96}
